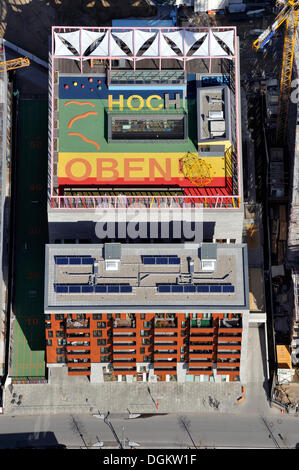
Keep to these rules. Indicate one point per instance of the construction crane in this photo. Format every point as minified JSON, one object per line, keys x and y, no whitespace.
{"x":288,"y":15}
{"x":14,"y":64}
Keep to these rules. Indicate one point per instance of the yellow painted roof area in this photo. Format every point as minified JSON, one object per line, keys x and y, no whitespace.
{"x":283,"y":357}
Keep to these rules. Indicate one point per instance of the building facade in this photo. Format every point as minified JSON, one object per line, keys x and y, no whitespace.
{"x":149,"y":126}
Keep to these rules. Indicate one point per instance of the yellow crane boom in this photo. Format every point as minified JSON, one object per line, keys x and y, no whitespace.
{"x":14,"y":64}
{"x":288,"y":15}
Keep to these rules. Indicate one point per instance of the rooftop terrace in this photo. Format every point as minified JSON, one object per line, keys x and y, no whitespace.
{"x":103,"y":118}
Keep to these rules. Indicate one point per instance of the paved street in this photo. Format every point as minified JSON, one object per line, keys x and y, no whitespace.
{"x":166,"y":431}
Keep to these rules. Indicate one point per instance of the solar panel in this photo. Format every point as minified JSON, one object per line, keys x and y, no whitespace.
{"x":202,"y":288}
{"x":148,"y":260}
{"x":99,"y":289}
{"x":61,"y":260}
{"x":125,"y":289}
{"x":228,"y":289}
{"x":87,"y":289}
{"x":74,"y":260}
{"x":176,"y":288}
{"x":113,"y":288}
{"x":215,"y":288}
{"x":87,"y":260}
{"x":164,"y":289}
{"x":174,"y":260}
{"x":74,"y":289}
{"x":189,"y":288}
{"x":161,"y":260}
{"x":61,"y":289}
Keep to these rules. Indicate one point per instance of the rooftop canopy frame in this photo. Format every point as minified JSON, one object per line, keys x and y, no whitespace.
{"x":136,"y":43}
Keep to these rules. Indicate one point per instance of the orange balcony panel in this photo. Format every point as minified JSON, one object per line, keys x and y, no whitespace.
{"x":198,"y":331}
{"x":165,"y":364}
{"x":201,"y":346}
{"x":206,"y":339}
{"x":123,"y":356}
{"x":124,"y":346}
{"x":124,"y":330}
{"x":200,"y":372}
{"x":165,"y":355}
{"x":198,"y":355}
{"x":200,"y":363}
{"x":79,"y":372}
{"x":230,"y":330}
{"x":228,"y":346}
{"x":165,"y":346}
{"x":228,"y":356}
{"x":229,"y":339}
{"x":226,"y":372}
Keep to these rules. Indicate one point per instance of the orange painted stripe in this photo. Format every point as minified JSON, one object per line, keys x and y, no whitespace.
{"x":80,"y":116}
{"x":85,"y":139}
{"x":79,"y":103}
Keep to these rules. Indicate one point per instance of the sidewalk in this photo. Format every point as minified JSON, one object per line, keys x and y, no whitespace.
{"x":77,"y":395}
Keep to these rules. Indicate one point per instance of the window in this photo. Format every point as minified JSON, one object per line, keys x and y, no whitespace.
{"x":50,"y":334}
{"x":109,"y":316}
{"x":101,"y":341}
{"x":58,"y":316}
{"x":49,"y":342}
{"x":182,"y":349}
{"x":183,"y":332}
{"x":146,"y":341}
{"x":104,"y":359}
{"x":61,"y":342}
{"x":183,"y":324}
{"x":59,"y":334}
{"x":117,"y":315}
{"x":48,"y":324}
{"x":60,"y":358}
{"x":81,"y":316}
{"x":142,"y":350}
{"x":97,"y":333}
{"x":142,"y":316}
{"x":186,"y":315}
{"x":147,"y":358}
{"x":221,"y":240}
{"x":147,"y":324}
{"x":101,"y":324}
{"x":105,"y":350}
{"x":60,"y":350}
{"x":182,"y":359}
{"x":232,"y":240}
{"x":47,"y":317}
{"x":97,"y":316}
{"x":144,"y":333}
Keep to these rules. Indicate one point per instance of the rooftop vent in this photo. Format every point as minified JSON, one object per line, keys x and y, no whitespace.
{"x":208,"y":257}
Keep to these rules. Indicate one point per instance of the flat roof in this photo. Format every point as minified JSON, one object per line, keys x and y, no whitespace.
{"x":154,"y":278}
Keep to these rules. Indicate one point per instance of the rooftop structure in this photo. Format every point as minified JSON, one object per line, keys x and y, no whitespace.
{"x":140,"y":278}
{"x":138,"y":86}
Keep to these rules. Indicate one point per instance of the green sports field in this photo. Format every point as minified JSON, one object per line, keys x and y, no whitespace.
{"x":28,"y":359}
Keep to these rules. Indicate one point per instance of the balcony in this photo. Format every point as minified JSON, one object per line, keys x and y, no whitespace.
{"x":78,"y":343}
{"x":201,"y":323}
{"x":161,"y":343}
{"x":80,"y":334}
{"x":123,"y":344}
{"x":74,"y":324}
{"x":78,"y":351}
{"x":223,"y":346}
{"x":168,"y":334}
{"x":78,"y":361}
{"x":165,"y":361}
{"x":200,"y":354}
{"x":234,"y":340}
{"x":166,"y":323}
{"x":165,"y":351}
{"x":124,"y":334}
{"x":128,"y":323}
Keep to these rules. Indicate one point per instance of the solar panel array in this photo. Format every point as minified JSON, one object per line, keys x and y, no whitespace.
{"x":74,"y":259}
{"x":89,"y":289}
{"x":172,"y":259}
{"x":199,"y":288}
